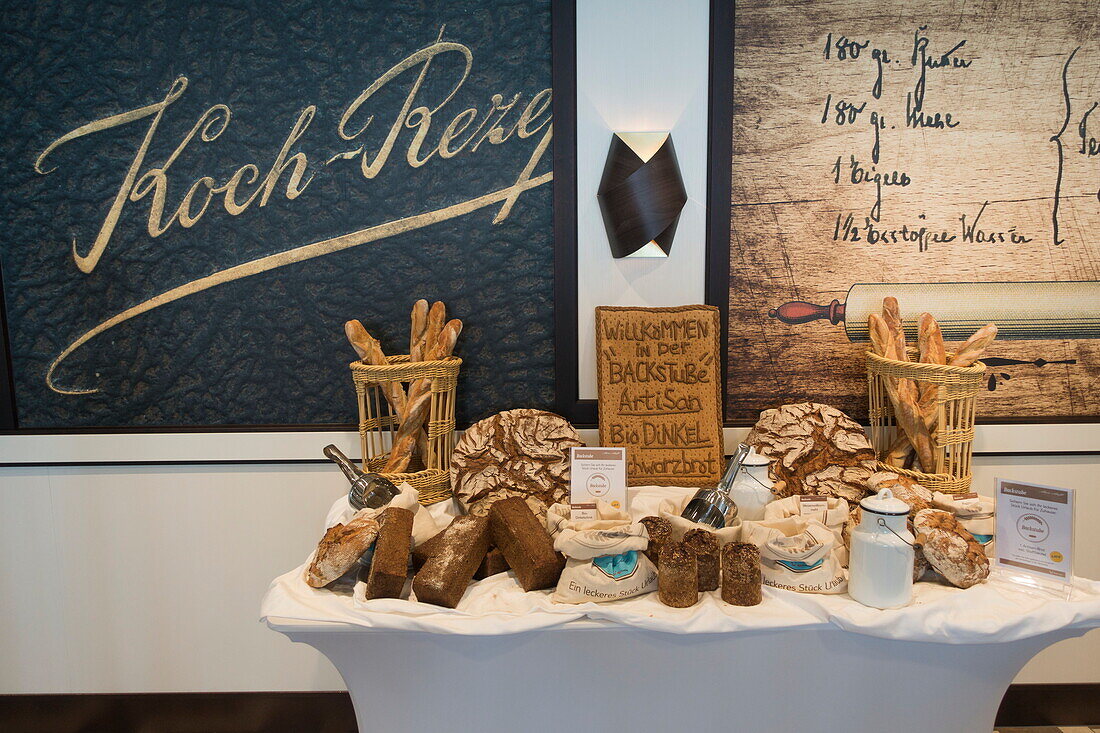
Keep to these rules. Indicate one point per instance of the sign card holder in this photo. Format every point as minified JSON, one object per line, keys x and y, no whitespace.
{"x":1034,"y":543}
{"x":596,"y":474}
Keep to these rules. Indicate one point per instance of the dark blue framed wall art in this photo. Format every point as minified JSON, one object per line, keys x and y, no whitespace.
{"x":197,"y":195}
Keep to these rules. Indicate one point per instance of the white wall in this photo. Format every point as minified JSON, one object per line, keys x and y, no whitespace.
{"x":628,"y":83}
{"x":149,"y":579}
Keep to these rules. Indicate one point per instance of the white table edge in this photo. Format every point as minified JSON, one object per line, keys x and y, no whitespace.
{"x":284,"y":624}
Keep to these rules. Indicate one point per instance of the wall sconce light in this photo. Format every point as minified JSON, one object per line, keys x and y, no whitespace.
{"x":641,"y":194}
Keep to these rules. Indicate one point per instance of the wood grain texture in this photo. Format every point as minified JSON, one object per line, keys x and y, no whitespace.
{"x":966,"y":199}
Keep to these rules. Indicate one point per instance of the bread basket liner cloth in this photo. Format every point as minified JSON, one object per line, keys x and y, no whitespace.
{"x":995,"y":611}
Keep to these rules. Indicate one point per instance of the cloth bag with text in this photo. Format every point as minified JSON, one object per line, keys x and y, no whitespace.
{"x":799,"y":554}
{"x":832,"y":511}
{"x":604,"y":558}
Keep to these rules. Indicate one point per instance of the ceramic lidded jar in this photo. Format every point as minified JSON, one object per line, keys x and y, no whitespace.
{"x":881,"y":562}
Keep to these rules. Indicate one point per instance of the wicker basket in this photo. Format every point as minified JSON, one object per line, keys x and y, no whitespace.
{"x":952,"y":443}
{"x":378,"y":424}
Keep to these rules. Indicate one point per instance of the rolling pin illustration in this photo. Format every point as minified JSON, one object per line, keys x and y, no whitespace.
{"x":1021,"y":310}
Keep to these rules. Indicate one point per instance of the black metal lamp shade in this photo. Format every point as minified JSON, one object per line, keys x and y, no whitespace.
{"x":641,"y":196}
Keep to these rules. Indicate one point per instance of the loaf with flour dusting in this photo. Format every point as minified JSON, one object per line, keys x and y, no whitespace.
{"x":950,"y":549}
{"x":443,"y":579}
{"x":341,"y":548}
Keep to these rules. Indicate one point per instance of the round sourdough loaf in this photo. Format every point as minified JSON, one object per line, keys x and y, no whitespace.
{"x":814,"y":449}
{"x":950,"y":549}
{"x":521,"y":453}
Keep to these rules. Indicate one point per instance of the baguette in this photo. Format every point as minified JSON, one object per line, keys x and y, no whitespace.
{"x":437,"y":316}
{"x":370,"y":352}
{"x":419,"y":399}
{"x":881,"y":341}
{"x":418,"y":337}
{"x":932,"y":351}
{"x":902,"y":394}
{"x":419,"y":330}
{"x":974,"y":346}
{"x":891,"y":314}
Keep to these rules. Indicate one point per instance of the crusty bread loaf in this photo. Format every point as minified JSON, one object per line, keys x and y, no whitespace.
{"x":902,"y":487}
{"x":950,"y":549}
{"x":814,"y":449}
{"x":341,"y":548}
{"x":520,"y":452}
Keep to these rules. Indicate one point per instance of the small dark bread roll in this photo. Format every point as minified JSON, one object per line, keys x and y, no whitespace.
{"x":660,"y":533}
{"x":741,"y":578}
{"x":706,"y":548}
{"x":678,"y":576}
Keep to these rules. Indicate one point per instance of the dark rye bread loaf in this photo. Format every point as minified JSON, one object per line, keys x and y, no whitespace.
{"x":706,"y":548}
{"x":493,"y":564}
{"x":444,"y":576}
{"x":525,"y":544}
{"x":678,"y":576}
{"x":390,"y":565}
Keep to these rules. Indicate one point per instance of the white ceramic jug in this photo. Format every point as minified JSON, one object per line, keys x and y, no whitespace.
{"x":881,"y":562}
{"x":752,"y":489}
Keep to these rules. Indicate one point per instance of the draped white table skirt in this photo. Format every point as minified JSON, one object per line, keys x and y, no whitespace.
{"x":506,"y":660}
{"x":597,"y":676}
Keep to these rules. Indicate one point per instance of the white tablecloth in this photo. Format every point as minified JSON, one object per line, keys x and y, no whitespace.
{"x":995,"y":611}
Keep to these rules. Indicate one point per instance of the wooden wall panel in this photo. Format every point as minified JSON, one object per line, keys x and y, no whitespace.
{"x":932,"y":141}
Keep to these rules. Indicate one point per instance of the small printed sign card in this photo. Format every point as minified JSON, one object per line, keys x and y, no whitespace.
{"x":596,"y":473}
{"x":811,"y":504}
{"x":659,"y":379}
{"x":1035,"y":535}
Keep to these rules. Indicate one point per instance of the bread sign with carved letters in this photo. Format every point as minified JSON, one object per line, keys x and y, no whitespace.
{"x":660,"y":394}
